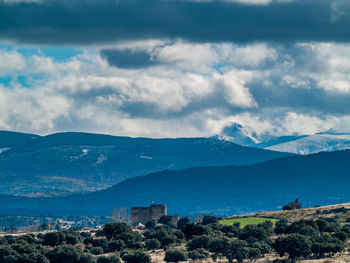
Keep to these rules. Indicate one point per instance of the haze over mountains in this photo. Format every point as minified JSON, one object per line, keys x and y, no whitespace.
{"x":299,"y":144}
{"x":79,"y":162}
{"x":317,"y":179}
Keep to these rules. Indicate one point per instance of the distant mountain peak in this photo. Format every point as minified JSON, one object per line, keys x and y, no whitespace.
{"x":235,"y":132}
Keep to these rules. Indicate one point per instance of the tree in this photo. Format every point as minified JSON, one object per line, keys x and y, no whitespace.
{"x":209,"y":220}
{"x":111,"y":259}
{"x":193,"y":229}
{"x":116,"y":245}
{"x":137,"y":256}
{"x":253,"y":231}
{"x":66,"y":253}
{"x":326,"y":244}
{"x":51,"y":239}
{"x":254,"y":253}
{"x":219,"y":245}
{"x":237,"y":249}
{"x":152,"y":244}
{"x":280,"y":226}
{"x":111,"y":230}
{"x":198,"y":254}
{"x":175,"y":256}
{"x":151,"y":224}
{"x":199,"y":242}
{"x":295,"y":245}
{"x":183,"y":222}
{"x":97,"y":250}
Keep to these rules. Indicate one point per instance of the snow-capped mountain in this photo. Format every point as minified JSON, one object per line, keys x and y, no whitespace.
{"x":298,"y":144}
{"x":239,"y":134}
{"x":314,"y":143}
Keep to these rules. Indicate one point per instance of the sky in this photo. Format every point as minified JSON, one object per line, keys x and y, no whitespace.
{"x":175,"y":68}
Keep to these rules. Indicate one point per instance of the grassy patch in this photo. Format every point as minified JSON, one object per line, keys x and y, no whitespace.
{"x":247,"y":221}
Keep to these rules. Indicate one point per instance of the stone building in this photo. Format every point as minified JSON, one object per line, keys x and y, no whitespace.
{"x":145,"y":214}
{"x":293,"y":205}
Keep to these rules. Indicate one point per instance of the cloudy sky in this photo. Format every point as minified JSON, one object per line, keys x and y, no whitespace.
{"x":174,"y":68}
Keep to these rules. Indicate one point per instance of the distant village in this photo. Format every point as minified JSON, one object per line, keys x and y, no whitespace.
{"x":138,"y":217}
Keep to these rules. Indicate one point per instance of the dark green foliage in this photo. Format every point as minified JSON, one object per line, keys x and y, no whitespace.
{"x":112,"y":230}
{"x":7,"y":254}
{"x":309,"y":231}
{"x":326,"y":225}
{"x":152,"y":244}
{"x":151,"y":224}
{"x":165,"y":235}
{"x":87,"y":258}
{"x":100,"y":242}
{"x":199,"y":242}
{"x":97,"y":250}
{"x":253,"y":231}
{"x":280,"y":227}
{"x":33,"y":257}
{"x":263,"y":247}
{"x":65,"y":253}
{"x":209,"y":220}
{"x":136,"y":257}
{"x":183,"y":222}
{"x":296,"y":226}
{"x":198,"y":254}
{"x":229,"y":231}
{"x":53,"y":239}
{"x":219,"y":245}
{"x":295,"y":245}
{"x":193,"y":229}
{"x":175,"y":255}
{"x":111,"y":259}
{"x":116,"y":245}
{"x":237,"y":249}
{"x":254,"y":253}
{"x":342,"y":236}
{"x":326,"y":244}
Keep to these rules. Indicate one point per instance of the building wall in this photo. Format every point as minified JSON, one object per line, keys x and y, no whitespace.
{"x":145,"y":214}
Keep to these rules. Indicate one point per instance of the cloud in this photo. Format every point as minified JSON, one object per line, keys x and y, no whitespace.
{"x":103,"y":22}
{"x":128,"y":58}
{"x":192,"y":89}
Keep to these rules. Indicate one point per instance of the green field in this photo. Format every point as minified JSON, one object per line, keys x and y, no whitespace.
{"x":247,"y":221}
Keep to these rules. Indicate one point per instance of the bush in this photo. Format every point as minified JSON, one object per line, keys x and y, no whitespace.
{"x":199,"y":242}
{"x":253,"y":231}
{"x":66,"y":253}
{"x":238,"y":250}
{"x":152,"y":244}
{"x":111,"y":259}
{"x":136,"y":257}
{"x":192,"y":229}
{"x":209,"y":220}
{"x":183,"y":222}
{"x":150,"y":224}
{"x":96,"y":250}
{"x":175,"y":256}
{"x":295,"y":245}
{"x":116,"y":245}
{"x":198,"y":254}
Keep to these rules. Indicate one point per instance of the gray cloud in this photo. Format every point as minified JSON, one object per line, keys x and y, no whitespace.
{"x":89,"y":22}
{"x":128,"y":58}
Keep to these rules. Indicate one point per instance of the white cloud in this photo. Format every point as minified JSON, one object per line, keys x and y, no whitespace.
{"x":11,"y":62}
{"x":195,"y":90}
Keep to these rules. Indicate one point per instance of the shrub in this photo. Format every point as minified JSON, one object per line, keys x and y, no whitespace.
{"x":96,"y":250}
{"x":198,"y":254}
{"x":111,"y":259}
{"x":175,"y":256}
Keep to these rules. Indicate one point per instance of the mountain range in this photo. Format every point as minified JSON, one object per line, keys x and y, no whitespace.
{"x":63,"y":163}
{"x":298,"y":144}
{"x":316,"y":179}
